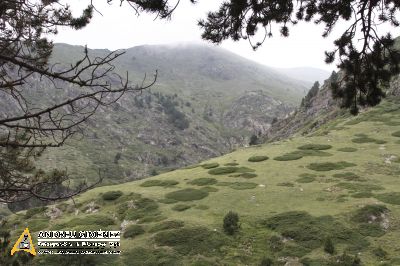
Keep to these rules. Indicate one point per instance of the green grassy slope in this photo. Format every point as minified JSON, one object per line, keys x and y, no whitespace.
{"x":340,"y":183}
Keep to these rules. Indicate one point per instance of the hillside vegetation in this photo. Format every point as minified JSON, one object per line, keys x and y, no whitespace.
{"x":206,"y":102}
{"x":329,"y":198}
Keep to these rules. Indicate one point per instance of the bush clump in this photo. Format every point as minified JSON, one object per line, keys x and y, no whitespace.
{"x":204,"y":181}
{"x":285,"y":184}
{"x":133,"y":230}
{"x":112,"y":195}
{"x":223,"y":170}
{"x":245,"y":175}
{"x":258,"y":158}
{"x":166,"y":225}
{"x":187,"y":194}
{"x":181,"y":207}
{"x":209,"y":189}
{"x":142,"y":208}
{"x":149,"y":257}
{"x":194,"y":240}
{"x":159,"y":183}
{"x":306,"y":178}
{"x":328,"y":246}
{"x":328,"y":166}
{"x":231,"y":223}
{"x":349,"y":176}
{"x":396,"y":134}
{"x":210,"y":165}
{"x":315,"y":147}
{"x":370,"y":213}
{"x":38,"y":210}
{"x":288,"y":157}
{"x":391,"y":198}
{"x":231,"y":164}
{"x":266,"y":262}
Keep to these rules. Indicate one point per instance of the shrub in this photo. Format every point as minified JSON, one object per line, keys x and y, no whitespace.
{"x":204,"y":181}
{"x":187,"y":194}
{"x":133,"y":230}
{"x":328,"y":246}
{"x":245,"y":175}
{"x":210,"y":165}
{"x":391,"y":198}
{"x":223,"y":170}
{"x":367,"y":213}
{"x":328,"y":166}
{"x":288,"y":157}
{"x":149,"y":257}
{"x":167,"y":225}
{"x":346,"y":260}
{"x":315,"y":147}
{"x":258,"y":158}
{"x":167,"y":201}
{"x":143,"y":209}
{"x":195,"y":240}
{"x":380,"y":253}
{"x":347,"y":149}
{"x":363,"y":195}
{"x":112,"y":195}
{"x":396,"y":134}
{"x":348,"y":176}
{"x":38,"y":210}
{"x":231,"y":223}
{"x":181,"y":207}
{"x":266,"y":262}
{"x":159,"y":183}
{"x":275,"y":243}
{"x":371,"y":229}
{"x":306,"y":178}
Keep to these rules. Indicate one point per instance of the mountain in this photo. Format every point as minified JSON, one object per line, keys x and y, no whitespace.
{"x":305,"y":74}
{"x":206,"y":102}
{"x":338,"y":183}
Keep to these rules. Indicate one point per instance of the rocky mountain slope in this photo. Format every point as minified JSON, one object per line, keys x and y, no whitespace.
{"x":336,"y":188}
{"x":206,"y":102}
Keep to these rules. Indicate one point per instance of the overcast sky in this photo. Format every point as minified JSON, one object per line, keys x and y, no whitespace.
{"x":119,"y":27}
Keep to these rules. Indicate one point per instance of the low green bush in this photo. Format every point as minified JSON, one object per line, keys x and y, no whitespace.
{"x":187,"y":194}
{"x":193,"y":241}
{"x":166,"y":225}
{"x":369,"y":213}
{"x":391,"y":197}
{"x":306,"y":178}
{"x":360,"y":140}
{"x":167,"y":201}
{"x":112,"y":195}
{"x":150,"y":257}
{"x":371,"y":229}
{"x":181,"y":207}
{"x":204,"y":181}
{"x":143,"y":209}
{"x":133,"y":230}
{"x":231,"y":164}
{"x":266,"y":262}
{"x":329,"y":246}
{"x":363,"y":195}
{"x":93,"y":221}
{"x":349,"y":176}
{"x":396,"y":134}
{"x":288,"y":157}
{"x":329,"y":166}
{"x":245,"y":175}
{"x":258,"y":158}
{"x":348,"y":149}
{"x":380,"y":253}
{"x":315,"y":147}
{"x":210,"y":165}
{"x":35,"y":211}
{"x":359,"y":187}
{"x":202,"y":207}
{"x":159,"y":183}
{"x":223,"y":170}
{"x":231,"y":223}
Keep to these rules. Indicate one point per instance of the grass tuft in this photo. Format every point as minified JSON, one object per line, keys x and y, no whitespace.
{"x":166,"y":225}
{"x":349,"y":176}
{"x":348,"y":149}
{"x":112,"y":195}
{"x":396,"y":134}
{"x":223,"y":170}
{"x":288,"y":157}
{"x":210,"y":165}
{"x":181,"y":207}
{"x":391,"y":198}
